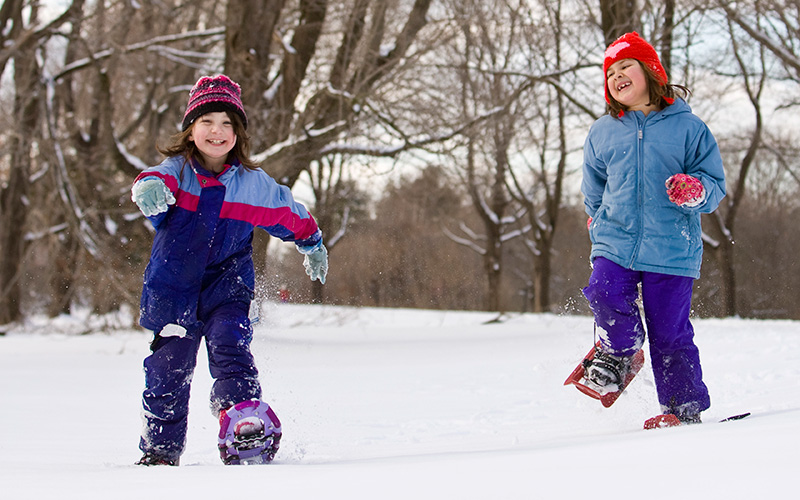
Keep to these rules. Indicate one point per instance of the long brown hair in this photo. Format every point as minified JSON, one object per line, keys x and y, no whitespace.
{"x":180,"y":145}
{"x":659,"y":93}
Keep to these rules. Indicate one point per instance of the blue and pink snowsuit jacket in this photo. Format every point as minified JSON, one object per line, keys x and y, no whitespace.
{"x":202,"y":250}
{"x":627,"y":161}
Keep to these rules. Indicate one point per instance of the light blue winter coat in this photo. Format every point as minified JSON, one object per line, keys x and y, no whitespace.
{"x":627,"y":161}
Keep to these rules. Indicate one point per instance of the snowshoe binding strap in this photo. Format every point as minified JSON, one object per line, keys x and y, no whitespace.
{"x":606,"y":370}
{"x":250,"y":433}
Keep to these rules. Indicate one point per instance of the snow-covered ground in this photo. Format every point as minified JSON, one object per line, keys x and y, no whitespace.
{"x":399,"y":404}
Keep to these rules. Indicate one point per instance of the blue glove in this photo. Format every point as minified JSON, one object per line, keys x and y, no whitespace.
{"x":316,"y":264}
{"x":152,"y":196}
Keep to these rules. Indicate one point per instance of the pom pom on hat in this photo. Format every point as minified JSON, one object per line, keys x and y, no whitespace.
{"x":632,"y":46}
{"x":212,"y":94}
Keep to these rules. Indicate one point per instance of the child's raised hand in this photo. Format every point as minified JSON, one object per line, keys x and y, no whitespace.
{"x":152,"y":196}
{"x":316,"y":264}
{"x":685,"y":190}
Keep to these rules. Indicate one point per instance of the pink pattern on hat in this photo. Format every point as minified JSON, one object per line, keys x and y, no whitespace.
{"x":614,"y":49}
{"x":214,"y":93}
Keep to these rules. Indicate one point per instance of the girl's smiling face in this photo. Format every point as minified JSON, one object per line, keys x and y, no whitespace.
{"x":627,"y":84}
{"x":214,"y":137}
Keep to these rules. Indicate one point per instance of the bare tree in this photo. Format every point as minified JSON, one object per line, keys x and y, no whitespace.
{"x":13,"y":198}
{"x":778,"y":33}
{"x":503,"y":91}
{"x":23,"y":42}
{"x":302,"y":129}
{"x":722,"y":228}
{"x":313,"y":86}
{"x":338,"y":197}
{"x":486,"y":161}
{"x":540,"y":192}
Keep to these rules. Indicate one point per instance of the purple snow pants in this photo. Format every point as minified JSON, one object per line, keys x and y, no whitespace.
{"x":612,"y":294}
{"x":170,"y":367}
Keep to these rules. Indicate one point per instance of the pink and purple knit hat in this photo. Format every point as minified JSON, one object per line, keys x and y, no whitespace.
{"x":211,"y":94}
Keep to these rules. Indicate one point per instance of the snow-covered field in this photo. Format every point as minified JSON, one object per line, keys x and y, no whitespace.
{"x":400,"y":404}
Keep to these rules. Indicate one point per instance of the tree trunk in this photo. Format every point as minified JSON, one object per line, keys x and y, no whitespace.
{"x":541,"y":281}
{"x":13,"y":198}
{"x":617,"y":18}
{"x":12,"y":222}
{"x":724,"y":256}
{"x":63,"y":275}
{"x":249,"y":33}
{"x":725,"y":259}
{"x":667,"y":36}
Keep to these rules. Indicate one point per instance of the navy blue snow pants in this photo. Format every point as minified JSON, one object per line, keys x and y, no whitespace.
{"x":666,"y":300}
{"x":170,"y":367}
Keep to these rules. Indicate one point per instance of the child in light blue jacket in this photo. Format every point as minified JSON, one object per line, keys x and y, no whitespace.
{"x":651,"y":167}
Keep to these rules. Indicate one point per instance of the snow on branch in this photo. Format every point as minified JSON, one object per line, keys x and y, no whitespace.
{"x":494,"y":217}
{"x":286,"y":147}
{"x":12,"y":46}
{"x":407,"y":144}
{"x":135,"y":47}
{"x":134,"y":160}
{"x":464,"y":241}
{"x":532,"y":247}
{"x":411,"y":144}
{"x":66,"y":190}
{"x":184,"y":56}
{"x":709,"y":240}
{"x":37,"y":235}
{"x":342,"y":229}
{"x":515,"y":234}
{"x":487,"y":210}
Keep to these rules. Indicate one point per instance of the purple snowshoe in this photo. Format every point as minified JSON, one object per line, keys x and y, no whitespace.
{"x":249,"y":433}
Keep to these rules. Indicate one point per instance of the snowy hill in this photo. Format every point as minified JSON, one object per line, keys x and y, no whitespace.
{"x":399,"y":404}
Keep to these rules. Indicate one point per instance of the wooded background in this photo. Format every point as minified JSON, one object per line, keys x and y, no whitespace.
{"x":437,"y":143}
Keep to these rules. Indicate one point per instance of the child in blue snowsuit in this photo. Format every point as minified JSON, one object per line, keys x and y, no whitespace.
{"x":205,"y":200}
{"x":651,"y":167}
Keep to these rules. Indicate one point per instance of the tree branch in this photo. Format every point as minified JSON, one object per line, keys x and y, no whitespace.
{"x":135,"y":47}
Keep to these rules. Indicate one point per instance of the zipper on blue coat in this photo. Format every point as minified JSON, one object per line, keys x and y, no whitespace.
{"x":639,"y":191}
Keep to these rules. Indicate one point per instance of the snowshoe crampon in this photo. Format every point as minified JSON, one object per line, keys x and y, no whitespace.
{"x":607,"y":398}
{"x":249,"y":433}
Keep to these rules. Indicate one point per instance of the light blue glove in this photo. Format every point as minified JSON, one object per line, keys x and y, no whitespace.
{"x":316,"y":264}
{"x":152,"y":196}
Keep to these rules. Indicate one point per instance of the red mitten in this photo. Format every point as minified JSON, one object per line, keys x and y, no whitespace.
{"x":685,"y":190}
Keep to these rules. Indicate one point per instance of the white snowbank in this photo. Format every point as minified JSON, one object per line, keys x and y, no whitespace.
{"x":399,"y":404}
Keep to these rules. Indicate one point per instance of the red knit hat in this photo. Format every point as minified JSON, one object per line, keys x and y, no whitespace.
{"x":211,"y":94}
{"x":632,"y":46}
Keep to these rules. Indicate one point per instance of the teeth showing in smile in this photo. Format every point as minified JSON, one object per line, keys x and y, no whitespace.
{"x":216,"y":143}
{"x":624,"y":85}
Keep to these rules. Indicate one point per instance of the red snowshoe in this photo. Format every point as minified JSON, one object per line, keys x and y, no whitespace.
{"x":670,"y":420}
{"x":606,"y":396}
{"x":662,"y":421}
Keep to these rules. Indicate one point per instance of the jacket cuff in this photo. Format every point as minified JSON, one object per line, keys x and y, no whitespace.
{"x":307,"y":249}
